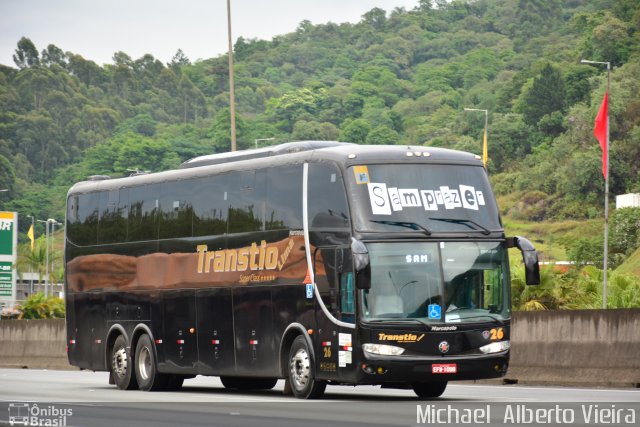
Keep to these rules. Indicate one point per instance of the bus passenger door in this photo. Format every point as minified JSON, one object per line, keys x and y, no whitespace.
{"x":334,"y":343}
{"x":180,"y":340}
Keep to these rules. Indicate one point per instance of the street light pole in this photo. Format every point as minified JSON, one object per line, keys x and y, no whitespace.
{"x":53,"y":223}
{"x":606,"y":188}
{"x":46,"y":275}
{"x":263,"y":139}
{"x":232,"y":96}
{"x":48,"y":223}
{"x":485,"y":154}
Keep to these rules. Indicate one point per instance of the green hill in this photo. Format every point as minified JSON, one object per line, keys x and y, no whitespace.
{"x":395,"y":77}
{"x":631,"y":265}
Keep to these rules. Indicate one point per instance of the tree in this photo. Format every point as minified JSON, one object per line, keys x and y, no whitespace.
{"x":7,"y":178}
{"x":26,"y":54}
{"x":376,"y":17}
{"x":312,"y":130}
{"x":179,"y":60}
{"x":54,"y":55}
{"x":382,"y":135}
{"x":356,"y":131}
{"x":545,"y":96}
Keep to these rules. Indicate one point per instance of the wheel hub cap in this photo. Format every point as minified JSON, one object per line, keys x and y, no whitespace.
{"x":300,"y":369}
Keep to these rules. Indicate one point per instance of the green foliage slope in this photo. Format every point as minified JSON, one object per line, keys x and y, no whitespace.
{"x":395,"y":77}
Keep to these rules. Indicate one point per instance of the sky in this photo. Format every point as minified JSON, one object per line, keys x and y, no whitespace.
{"x":97,"y":29}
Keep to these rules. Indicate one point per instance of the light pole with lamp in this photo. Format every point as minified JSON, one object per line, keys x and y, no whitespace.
{"x":606,"y":185}
{"x":263,"y":139}
{"x":48,"y":223}
{"x":485,"y":149}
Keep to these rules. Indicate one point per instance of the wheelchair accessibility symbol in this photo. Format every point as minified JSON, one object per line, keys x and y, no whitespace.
{"x":309,"y":290}
{"x":435,"y":311}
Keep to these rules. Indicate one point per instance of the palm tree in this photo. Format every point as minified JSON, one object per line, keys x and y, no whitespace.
{"x":36,"y":260}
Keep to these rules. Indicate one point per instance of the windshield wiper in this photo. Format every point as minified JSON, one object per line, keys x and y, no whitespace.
{"x":411,"y":225}
{"x":466,"y":222}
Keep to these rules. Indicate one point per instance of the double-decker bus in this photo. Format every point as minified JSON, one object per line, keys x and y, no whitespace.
{"x":317,"y":262}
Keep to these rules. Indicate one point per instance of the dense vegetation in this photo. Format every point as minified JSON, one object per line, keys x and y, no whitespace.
{"x":395,"y":77}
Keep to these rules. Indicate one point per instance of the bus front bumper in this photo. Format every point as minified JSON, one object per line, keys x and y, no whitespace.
{"x":379,"y":370}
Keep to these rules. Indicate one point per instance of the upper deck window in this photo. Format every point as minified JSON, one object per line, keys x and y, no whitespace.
{"x":423,"y":198}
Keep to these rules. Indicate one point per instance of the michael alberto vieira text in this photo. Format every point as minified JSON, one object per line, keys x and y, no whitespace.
{"x":523,"y":414}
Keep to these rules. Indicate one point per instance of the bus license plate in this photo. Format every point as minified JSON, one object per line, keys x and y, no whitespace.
{"x":444,"y":368}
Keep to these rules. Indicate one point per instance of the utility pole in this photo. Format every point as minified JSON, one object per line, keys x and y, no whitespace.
{"x":232,"y":96}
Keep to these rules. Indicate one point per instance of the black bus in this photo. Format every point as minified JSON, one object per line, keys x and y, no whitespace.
{"x":317,"y":262}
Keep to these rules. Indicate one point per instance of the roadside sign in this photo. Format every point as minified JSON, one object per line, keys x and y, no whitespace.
{"x":8,"y":255}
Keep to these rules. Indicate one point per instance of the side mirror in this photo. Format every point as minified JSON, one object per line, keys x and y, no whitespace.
{"x":529,"y":257}
{"x":360,"y":256}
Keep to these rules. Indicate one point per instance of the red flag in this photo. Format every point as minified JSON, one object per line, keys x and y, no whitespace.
{"x":600,"y":131}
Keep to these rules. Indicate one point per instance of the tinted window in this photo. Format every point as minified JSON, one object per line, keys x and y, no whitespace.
{"x":284,"y":198}
{"x":246,"y":201}
{"x":210,"y":205}
{"x":143,"y":213}
{"x":327,"y":201}
{"x":175,"y":209}
{"x":438,"y":197}
{"x":82,"y":217}
{"x":114,"y":209}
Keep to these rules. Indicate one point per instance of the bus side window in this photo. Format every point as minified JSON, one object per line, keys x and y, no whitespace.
{"x":83,"y":219}
{"x":327,"y":202}
{"x":246,"y":201}
{"x":176,"y":210}
{"x":114,"y":209}
{"x":284,"y":198}
{"x":211,"y":205}
{"x":143,"y":213}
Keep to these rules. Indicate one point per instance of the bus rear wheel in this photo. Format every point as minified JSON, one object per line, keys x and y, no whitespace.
{"x":147,"y":375}
{"x":122,"y":365}
{"x":429,"y":390}
{"x":301,"y":371}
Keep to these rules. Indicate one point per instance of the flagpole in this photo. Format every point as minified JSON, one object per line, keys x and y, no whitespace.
{"x":606,"y":202}
{"x":485,"y":155}
{"x":606,"y":187}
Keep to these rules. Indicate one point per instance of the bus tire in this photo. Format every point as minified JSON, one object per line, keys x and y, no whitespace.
{"x":147,"y":375}
{"x":301,"y":371}
{"x":122,"y":365}
{"x":429,"y":390}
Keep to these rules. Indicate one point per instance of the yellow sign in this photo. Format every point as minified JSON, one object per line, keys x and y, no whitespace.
{"x":252,"y":258}
{"x":362,"y":174}
{"x":400,"y":338}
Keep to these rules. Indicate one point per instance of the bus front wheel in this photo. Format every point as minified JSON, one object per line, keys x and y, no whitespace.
{"x":147,"y":375}
{"x":301,"y":371}
{"x":122,"y":365}
{"x":429,"y":390}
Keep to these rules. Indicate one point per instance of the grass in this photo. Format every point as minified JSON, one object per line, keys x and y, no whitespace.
{"x":551,"y":237}
{"x":631,"y":265}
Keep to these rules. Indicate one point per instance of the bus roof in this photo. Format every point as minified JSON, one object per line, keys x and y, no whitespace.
{"x":346,"y":154}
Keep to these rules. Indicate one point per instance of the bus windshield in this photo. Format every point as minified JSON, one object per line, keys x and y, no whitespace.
{"x":423,"y":198}
{"x":437,"y":282}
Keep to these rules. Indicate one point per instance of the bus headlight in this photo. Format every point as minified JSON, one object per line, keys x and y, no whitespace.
{"x":495,"y":347}
{"x":383,"y":349}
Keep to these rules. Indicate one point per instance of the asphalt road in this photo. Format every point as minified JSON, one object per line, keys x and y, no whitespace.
{"x":81,"y":398}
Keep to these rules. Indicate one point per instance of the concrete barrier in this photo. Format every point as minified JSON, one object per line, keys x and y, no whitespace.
{"x":581,"y":347}
{"x":33,"y":344}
